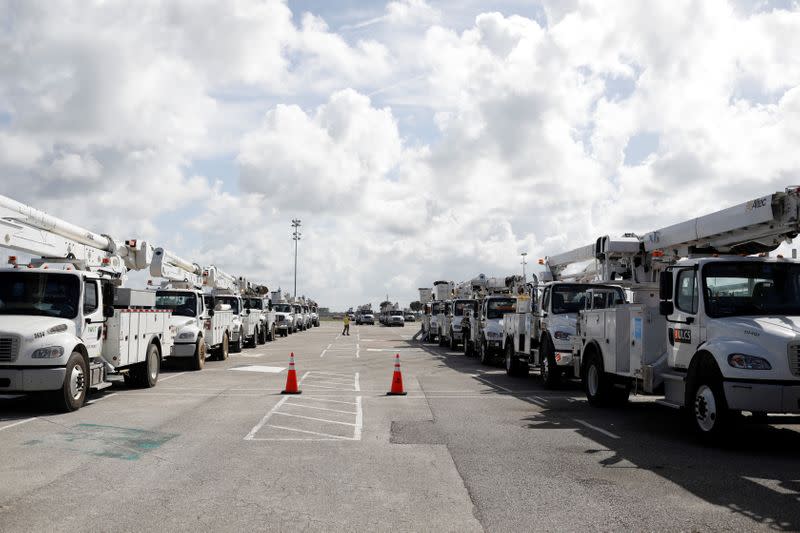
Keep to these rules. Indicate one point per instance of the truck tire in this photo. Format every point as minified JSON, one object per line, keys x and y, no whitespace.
{"x":236,"y":347}
{"x":453,"y":341}
{"x":467,"y":346}
{"x":485,"y":357}
{"x":706,"y":407}
{"x":224,"y":348}
{"x":514,"y":367}
{"x":551,"y":374}
{"x":199,"y":359}
{"x":72,"y":394}
{"x":596,"y":383}
{"x":261,"y":336}
{"x":145,"y":375}
{"x":442,"y":340}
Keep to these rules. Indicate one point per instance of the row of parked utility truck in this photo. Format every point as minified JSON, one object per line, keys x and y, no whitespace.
{"x":68,"y":323}
{"x":698,"y":313}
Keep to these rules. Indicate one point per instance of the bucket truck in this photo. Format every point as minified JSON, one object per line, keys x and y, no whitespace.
{"x":257,"y":306}
{"x":224,"y":289}
{"x":315,"y":314}
{"x":284,"y":314}
{"x":540,"y":333}
{"x":202,"y":326}
{"x":442,"y":291}
{"x":718,"y":328}
{"x":425,"y":298}
{"x":364,"y":315}
{"x":455,"y":313}
{"x":64,"y":330}
{"x":483,"y":331}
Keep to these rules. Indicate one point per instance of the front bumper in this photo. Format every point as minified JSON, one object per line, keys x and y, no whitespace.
{"x":766,"y":397}
{"x":31,"y":379}
{"x":184,"y":349}
{"x":283,"y":326}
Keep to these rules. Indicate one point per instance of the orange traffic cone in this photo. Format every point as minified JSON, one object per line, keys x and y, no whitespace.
{"x":397,"y":379}
{"x":291,"y":379}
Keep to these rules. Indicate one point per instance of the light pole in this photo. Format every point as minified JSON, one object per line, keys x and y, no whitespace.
{"x":524,"y":262}
{"x":296,"y":237}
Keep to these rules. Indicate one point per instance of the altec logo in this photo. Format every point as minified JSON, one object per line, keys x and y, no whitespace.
{"x":682,"y":335}
{"x":756,"y":204}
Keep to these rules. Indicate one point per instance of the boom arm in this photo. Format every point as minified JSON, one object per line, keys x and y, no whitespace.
{"x":171,"y":267}
{"x":51,"y":239}
{"x":218,"y":280}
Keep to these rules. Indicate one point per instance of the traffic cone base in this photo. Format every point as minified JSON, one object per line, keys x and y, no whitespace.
{"x":291,"y":379}
{"x":397,"y":380}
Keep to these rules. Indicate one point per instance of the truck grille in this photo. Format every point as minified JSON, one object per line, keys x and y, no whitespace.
{"x":794,"y":358}
{"x":9,"y":349}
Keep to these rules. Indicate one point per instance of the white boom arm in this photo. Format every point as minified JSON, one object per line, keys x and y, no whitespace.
{"x":34,"y":232}
{"x":169,"y":266}
{"x":218,"y":280}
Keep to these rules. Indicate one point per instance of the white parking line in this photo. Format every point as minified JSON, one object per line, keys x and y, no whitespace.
{"x":327,"y":435}
{"x":493,"y":384}
{"x":357,"y":383}
{"x":18,"y":423}
{"x":600,"y":430}
{"x":314,"y":418}
{"x":326,"y":400}
{"x":320,"y":408}
{"x":171,"y":377}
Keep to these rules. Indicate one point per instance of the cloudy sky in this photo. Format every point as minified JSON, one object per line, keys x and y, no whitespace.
{"x":416,"y":139}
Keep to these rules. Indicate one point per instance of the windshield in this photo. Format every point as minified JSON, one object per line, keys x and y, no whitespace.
{"x":283,"y":308}
{"x":253,"y":303}
{"x":180,"y":303}
{"x":437,"y":308}
{"x":498,"y":308}
{"x":397,"y":313}
{"x":572,"y":298}
{"x":750,"y":288}
{"x":29,"y":293}
{"x":230,"y":300}
{"x":460,"y":307}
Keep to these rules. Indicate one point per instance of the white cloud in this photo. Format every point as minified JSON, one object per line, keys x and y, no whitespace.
{"x":475,"y":143}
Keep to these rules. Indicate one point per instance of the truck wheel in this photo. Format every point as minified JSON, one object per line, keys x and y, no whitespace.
{"x":72,"y":394}
{"x":442,"y":340}
{"x":595,"y":382}
{"x":551,"y":374}
{"x":223,"y":350}
{"x":261,"y":336}
{"x":146,"y":375}
{"x":236,"y":347}
{"x":199,"y":358}
{"x":467,"y":350}
{"x":706,"y":406}
{"x":514,"y":367}
{"x":485,"y":359}
{"x":453,"y":341}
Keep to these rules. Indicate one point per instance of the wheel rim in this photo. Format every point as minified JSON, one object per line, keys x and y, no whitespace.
{"x":545,"y":367}
{"x":705,"y":408}
{"x":225,"y":346}
{"x":77,"y":382}
{"x":593,"y":380}
{"x":202,"y":352}
{"x":152,"y":364}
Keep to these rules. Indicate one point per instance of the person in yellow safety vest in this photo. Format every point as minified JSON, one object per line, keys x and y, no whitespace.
{"x":346,"y":330}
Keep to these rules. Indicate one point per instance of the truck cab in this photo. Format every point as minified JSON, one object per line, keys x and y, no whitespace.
{"x":264,"y":318}
{"x":458,"y":310}
{"x":491,"y":325}
{"x":299,"y":319}
{"x":315,"y":316}
{"x":437,"y":308}
{"x":239,"y":326}
{"x":395,"y":318}
{"x":284,"y":318}
{"x":556,"y":322}
{"x":63,"y":331}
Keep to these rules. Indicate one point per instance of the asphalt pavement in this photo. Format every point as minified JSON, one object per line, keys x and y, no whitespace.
{"x":467,"y":449}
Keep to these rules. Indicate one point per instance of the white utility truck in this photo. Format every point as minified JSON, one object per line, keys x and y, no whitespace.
{"x":252,"y":313}
{"x":224,"y":289}
{"x":64,"y":330}
{"x":425,"y":298}
{"x":462,"y":304}
{"x":442,"y":291}
{"x":483,"y":332}
{"x":718,"y":329}
{"x":202,"y":327}
{"x":315,"y":314}
{"x":284,"y":315}
{"x":258,"y":305}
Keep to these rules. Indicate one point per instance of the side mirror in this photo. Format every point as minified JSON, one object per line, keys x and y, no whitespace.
{"x":210,"y":312}
{"x":665,"y":288}
{"x":108,"y":311}
{"x":666,"y":307}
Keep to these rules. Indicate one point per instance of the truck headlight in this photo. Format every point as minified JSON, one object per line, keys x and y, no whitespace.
{"x":187,"y":335}
{"x":748,"y":362}
{"x":50,"y":352}
{"x":562,"y":335}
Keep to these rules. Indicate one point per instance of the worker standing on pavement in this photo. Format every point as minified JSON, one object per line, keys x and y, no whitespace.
{"x":346,"y":330}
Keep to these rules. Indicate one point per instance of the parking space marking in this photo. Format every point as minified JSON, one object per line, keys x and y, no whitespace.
{"x":599,"y":430}
{"x":321,"y":408}
{"x":259,"y":368}
{"x":171,"y":377}
{"x":315,"y":419}
{"x":17,"y":423}
{"x":493,"y":384}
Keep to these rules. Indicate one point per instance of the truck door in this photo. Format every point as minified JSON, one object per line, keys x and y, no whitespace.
{"x":93,"y":320}
{"x":683,"y":326}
